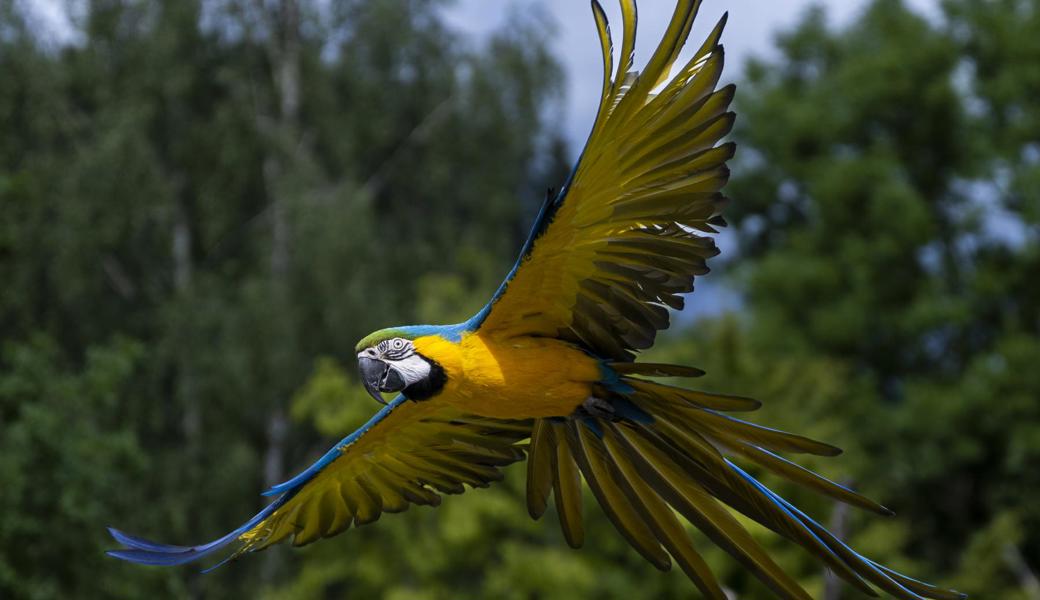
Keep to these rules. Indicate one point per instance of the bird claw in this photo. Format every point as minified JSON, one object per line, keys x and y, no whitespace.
{"x":598,"y":407}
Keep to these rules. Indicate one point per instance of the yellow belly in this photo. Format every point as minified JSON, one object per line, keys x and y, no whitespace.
{"x":516,"y":378}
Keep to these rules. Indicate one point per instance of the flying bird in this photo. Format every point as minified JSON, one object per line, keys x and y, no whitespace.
{"x":547,"y":370}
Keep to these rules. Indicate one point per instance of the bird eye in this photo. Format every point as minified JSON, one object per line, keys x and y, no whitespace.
{"x":398,"y":344}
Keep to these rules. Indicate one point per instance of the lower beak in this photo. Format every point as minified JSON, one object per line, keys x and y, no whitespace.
{"x":372,"y":372}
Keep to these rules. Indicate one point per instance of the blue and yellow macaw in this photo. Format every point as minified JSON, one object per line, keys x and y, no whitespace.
{"x":547,"y":368}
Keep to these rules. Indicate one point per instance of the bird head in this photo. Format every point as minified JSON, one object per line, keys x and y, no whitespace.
{"x":389,"y":362}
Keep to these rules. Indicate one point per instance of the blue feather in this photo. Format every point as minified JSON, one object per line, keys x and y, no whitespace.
{"x":610,"y":379}
{"x":144,"y":552}
{"x":335,"y":452}
{"x":782,"y":504}
{"x":448,"y":332}
{"x":593,"y":426}
{"x":796,"y":513}
{"x":628,"y":409}
{"x":131,"y":541}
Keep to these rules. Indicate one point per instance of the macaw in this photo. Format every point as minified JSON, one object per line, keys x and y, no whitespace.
{"x":546,"y":370}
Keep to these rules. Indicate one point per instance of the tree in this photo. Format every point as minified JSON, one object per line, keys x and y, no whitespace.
{"x":885,"y":206}
{"x":224,"y":194}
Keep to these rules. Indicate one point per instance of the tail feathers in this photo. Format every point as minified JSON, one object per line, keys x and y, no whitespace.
{"x":590,"y":459}
{"x":566,"y":488}
{"x":640,"y":472}
{"x":541,"y":454}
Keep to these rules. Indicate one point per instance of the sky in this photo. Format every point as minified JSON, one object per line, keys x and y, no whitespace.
{"x":749,"y":32}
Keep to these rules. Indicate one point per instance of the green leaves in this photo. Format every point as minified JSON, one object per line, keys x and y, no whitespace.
{"x":69,"y":463}
{"x":880,"y":232}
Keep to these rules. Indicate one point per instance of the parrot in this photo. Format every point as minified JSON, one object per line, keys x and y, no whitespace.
{"x":546,"y":371}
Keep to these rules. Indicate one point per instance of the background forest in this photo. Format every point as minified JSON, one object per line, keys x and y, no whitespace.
{"x":205,"y":203}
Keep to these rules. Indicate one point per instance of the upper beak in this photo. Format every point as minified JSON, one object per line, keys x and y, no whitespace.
{"x":372,"y":373}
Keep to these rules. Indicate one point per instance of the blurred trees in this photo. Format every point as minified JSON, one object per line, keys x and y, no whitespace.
{"x":199,"y":199}
{"x":206,"y":202}
{"x":887,"y":204}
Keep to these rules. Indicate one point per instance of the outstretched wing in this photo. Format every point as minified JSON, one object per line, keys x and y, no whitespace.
{"x":619,"y":243}
{"x":408,"y":453}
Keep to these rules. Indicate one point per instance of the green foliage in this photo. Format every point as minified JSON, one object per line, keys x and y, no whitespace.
{"x":158,"y":185}
{"x":68,"y":460}
{"x":188,"y":260}
{"x":885,"y":211}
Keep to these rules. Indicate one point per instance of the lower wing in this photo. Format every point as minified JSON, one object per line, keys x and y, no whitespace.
{"x":408,"y":453}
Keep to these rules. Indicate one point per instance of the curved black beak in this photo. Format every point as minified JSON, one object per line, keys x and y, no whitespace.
{"x":373,"y":371}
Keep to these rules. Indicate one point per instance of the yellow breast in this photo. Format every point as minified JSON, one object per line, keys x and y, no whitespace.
{"x":517,"y":378}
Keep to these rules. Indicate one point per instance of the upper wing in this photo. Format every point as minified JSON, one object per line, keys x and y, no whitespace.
{"x":406,"y":454}
{"x":617,"y":244}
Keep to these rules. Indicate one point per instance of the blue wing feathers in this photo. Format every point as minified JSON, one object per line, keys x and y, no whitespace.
{"x":131,"y":541}
{"x":334,"y":452}
{"x":628,"y":409}
{"x":144,"y":552}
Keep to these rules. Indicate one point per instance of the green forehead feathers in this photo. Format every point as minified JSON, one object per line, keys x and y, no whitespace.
{"x":378,"y":336}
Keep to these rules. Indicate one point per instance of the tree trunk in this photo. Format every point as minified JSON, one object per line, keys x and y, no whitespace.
{"x":183,"y":269}
{"x":283,"y":48}
{"x":839,"y":526}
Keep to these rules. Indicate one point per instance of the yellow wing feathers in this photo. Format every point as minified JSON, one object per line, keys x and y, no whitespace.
{"x":619,"y":243}
{"x":420,"y":450}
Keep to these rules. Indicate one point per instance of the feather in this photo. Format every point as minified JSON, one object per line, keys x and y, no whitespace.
{"x":675,"y":398}
{"x":567,"y":489}
{"x":729,"y":430}
{"x":800,"y":475}
{"x":607,"y":49}
{"x":629,"y":20}
{"x":655,"y":370}
{"x":539,"y":468}
{"x":660,"y":518}
{"x":384,"y":466}
{"x":589,"y":456}
{"x":659,"y":67}
{"x":704,"y":512}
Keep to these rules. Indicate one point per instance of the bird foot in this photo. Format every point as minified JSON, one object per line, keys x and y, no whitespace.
{"x":596,"y":407}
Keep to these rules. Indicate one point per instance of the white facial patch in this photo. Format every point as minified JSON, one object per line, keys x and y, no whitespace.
{"x":399,"y":354}
{"x":412,"y":368}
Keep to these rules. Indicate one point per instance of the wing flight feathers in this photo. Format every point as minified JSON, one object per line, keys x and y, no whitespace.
{"x":408,"y":453}
{"x":623,"y":239}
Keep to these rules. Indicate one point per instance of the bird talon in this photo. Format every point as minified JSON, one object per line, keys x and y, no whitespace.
{"x":597,"y":407}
